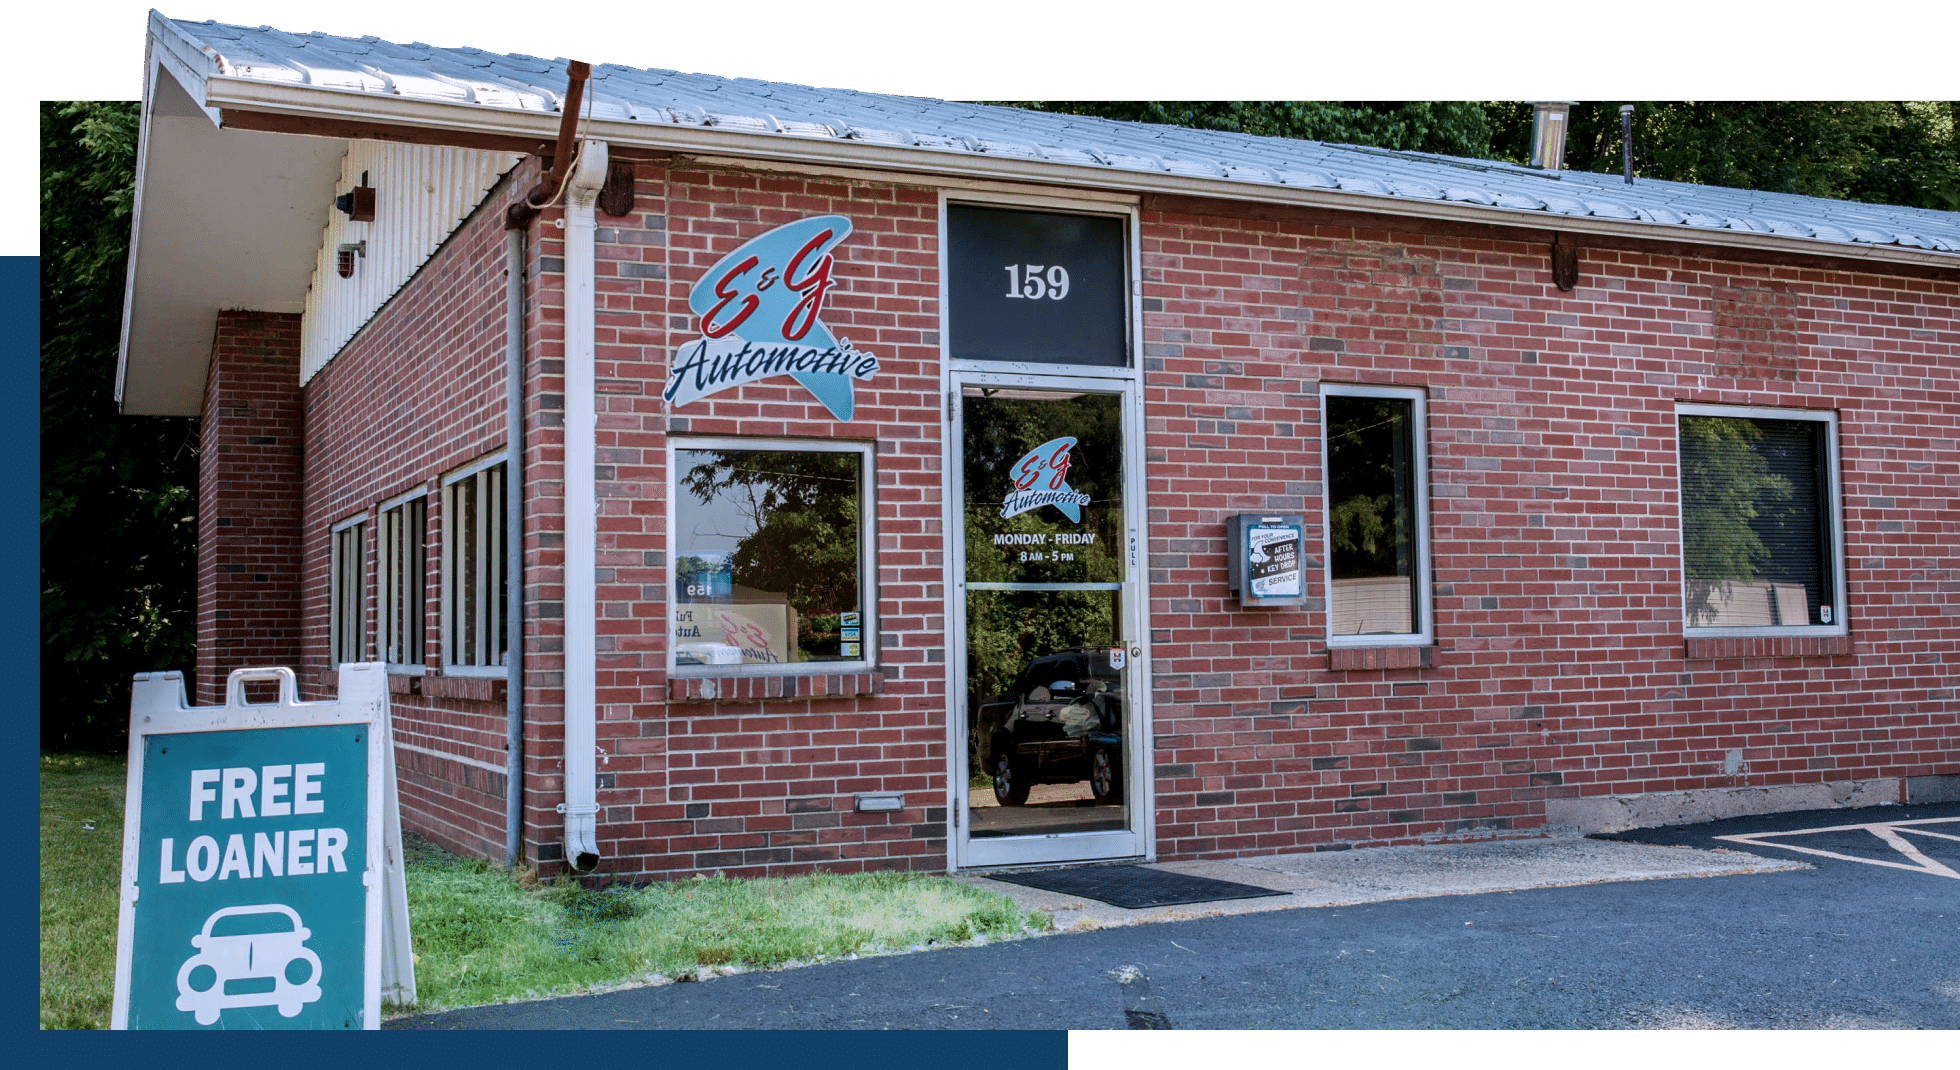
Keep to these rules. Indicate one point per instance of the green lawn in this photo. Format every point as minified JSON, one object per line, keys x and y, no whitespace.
{"x":483,"y":935}
{"x":81,"y":861}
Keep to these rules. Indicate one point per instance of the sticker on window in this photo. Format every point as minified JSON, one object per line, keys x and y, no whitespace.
{"x":1041,"y":478}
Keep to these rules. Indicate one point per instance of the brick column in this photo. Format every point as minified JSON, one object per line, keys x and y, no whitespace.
{"x":249,"y":499}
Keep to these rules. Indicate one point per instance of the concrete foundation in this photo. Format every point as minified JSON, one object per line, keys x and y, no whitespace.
{"x":1935,"y":788}
{"x":1617,"y":813}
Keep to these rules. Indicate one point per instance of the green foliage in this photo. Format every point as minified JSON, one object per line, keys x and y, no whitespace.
{"x":1360,"y":526}
{"x":1877,"y":151}
{"x":1725,"y":484}
{"x":118,"y":493}
{"x":802,"y":513}
{"x":1367,"y":445}
{"x":1008,"y":629}
{"x":81,"y":864}
{"x":1453,"y":127}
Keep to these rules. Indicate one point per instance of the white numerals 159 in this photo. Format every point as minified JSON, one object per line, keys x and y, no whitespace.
{"x":1028,"y":280}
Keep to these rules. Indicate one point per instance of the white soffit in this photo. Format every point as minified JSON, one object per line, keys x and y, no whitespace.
{"x":225,"y":219}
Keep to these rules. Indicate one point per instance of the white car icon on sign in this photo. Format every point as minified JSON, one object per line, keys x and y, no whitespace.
{"x":249,"y":969}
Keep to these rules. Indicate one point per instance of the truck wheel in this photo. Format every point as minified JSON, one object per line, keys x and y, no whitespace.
{"x":1012,"y":779}
{"x":1105,"y":775}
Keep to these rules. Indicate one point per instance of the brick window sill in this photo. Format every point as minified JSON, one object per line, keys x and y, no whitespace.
{"x":1376,"y":658}
{"x":467,"y":688}
{"x":740,"y":688}
{"x":1768,"y":646}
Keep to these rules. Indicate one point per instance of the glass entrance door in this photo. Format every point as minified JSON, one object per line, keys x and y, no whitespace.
{"x":1049,"y":681}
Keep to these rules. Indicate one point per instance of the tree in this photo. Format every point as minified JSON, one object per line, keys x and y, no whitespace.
{"x":1453,"y":127}
{"x":118,"y":493}
{"x":1727,"y":492}
{"x":800,"y":537}
{"x":1879,"y":152}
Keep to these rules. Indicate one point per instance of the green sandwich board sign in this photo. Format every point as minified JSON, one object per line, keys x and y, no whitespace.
{"x":262,"y":884}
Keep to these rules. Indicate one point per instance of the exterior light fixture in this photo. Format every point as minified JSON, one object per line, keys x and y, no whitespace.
{"x":358,"y":202}
{"x":347,"y":253}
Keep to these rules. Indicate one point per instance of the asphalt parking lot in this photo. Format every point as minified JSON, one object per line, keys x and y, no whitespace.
{"x":1743,"y":932}
{"x":1916,"y":839}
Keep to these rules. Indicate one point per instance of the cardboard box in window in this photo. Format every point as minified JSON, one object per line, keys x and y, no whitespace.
{"x":760,"y":633}
{"x":1376,"y":605}
{"x":1755,"y":605}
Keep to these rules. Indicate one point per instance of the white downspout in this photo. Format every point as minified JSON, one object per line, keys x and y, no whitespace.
{"x":581,"y":513}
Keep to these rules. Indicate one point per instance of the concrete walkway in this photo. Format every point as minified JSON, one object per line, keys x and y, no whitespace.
{"x":1340,"y":878}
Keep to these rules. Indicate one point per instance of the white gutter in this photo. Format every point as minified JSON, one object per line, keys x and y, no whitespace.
{"x":581,"y":513}
{"x":357,"y":106}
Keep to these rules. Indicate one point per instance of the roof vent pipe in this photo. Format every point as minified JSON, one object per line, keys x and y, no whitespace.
{"x":1626,"y":141}
{"x":1548,"y":133}
{"x":545,"y":193}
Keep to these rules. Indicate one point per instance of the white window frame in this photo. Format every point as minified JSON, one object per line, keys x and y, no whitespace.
{"x":1840,"y":608}
{"x":344,"y":587}
{"x":488,"y":542}
{"x":867,"y":551}
{"x":1425,"y":600}
{"x":390,"y":575}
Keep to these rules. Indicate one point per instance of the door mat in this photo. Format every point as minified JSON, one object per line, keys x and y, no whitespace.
{"x":1131,"y":887}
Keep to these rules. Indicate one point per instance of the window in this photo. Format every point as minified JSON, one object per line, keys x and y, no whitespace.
{"x":475,"y":571}
{"x":403,"y":545}
{"x":1377,"y":515}
{"x":1030,"y":286}
{"x":1760,"y":546}
{"x":772,"y":554}
{"x":348,"y":602}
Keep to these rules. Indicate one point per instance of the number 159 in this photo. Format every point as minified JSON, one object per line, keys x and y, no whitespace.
{"x":1029,"y":281}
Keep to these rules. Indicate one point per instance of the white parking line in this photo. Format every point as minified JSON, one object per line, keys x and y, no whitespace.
{"x":1888,"y":831}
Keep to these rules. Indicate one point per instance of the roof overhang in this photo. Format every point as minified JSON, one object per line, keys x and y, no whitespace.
{"x":266,"y":105}
{"x":224,"y":219}
{"x":236,"y":175}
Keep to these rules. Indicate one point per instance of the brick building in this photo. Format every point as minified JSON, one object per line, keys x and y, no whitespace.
{"x":1305,"y":497}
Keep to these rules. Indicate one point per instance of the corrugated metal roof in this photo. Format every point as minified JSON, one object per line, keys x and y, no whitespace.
{"x":706,"y":102}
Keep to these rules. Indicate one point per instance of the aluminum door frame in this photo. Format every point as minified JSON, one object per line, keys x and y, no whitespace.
{"x":1140,"y":839}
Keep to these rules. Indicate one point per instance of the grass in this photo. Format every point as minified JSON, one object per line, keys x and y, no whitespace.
{"x":81,"y":861}
{"x":484,"y":935}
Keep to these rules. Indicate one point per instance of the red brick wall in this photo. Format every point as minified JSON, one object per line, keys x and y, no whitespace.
{"x":248,"y":517}
{"x":418,"y":392}
{"x":1560,"y":667}
{"x":756,"y":786}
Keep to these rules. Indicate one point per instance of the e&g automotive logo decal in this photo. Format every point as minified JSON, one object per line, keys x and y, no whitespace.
{"x":1041,"y":478}
{"x":760,"y":317}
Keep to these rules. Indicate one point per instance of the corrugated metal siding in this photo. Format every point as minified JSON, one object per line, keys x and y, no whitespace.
{"x":421,"y":193}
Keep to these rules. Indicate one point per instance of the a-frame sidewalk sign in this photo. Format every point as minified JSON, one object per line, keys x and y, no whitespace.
{"x":262,"y":883}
